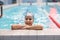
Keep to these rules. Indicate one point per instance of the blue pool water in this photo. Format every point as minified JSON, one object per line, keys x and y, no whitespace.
{"x":15,"y":15}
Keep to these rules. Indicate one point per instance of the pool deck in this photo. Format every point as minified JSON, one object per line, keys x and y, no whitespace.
{"x":30,"y":32}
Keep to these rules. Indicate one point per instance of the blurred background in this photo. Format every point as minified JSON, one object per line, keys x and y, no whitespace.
{"x":25,"y":1}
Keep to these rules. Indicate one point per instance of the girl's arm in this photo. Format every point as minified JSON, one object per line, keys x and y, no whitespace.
{"x":16,"y":27}
{"x":37,"y":27}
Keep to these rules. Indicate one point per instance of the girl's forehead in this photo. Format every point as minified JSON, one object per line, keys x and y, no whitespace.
{"x":28,"y":16}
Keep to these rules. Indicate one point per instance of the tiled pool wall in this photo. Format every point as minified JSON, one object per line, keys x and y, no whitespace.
{"x":41,"y":37}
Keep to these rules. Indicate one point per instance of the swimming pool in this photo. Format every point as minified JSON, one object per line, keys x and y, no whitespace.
{"x":15,"y":15}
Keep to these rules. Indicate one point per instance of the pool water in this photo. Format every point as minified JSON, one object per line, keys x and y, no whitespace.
{"x":15,"y":15}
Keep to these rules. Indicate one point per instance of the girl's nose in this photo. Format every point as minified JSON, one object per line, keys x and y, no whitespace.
{"x":27,"y":20}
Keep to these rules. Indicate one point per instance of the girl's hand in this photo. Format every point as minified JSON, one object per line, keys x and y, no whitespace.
{"x":27,"y":27}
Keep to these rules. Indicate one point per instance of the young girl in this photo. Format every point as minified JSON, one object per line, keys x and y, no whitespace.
{"x":29,"y":19}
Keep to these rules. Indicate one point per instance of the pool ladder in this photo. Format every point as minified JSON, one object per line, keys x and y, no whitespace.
{"x":1,"y":11}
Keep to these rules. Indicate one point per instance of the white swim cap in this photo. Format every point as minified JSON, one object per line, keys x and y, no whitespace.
{"x":29,"y":14}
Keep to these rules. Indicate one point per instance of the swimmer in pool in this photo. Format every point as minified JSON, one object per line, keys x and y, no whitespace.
{"x":29,"y":19}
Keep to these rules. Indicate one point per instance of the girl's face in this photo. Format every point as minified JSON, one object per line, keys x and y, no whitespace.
{"x":28,"y":20}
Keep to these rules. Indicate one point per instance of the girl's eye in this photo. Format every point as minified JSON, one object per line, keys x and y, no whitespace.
{"x":26,"y":19}
{"x":30,"y":19}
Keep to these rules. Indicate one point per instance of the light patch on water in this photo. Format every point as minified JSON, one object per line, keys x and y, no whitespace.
{"x":58,"y":17}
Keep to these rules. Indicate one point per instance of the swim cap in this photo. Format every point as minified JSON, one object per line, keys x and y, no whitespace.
{"x":29,"y":14}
